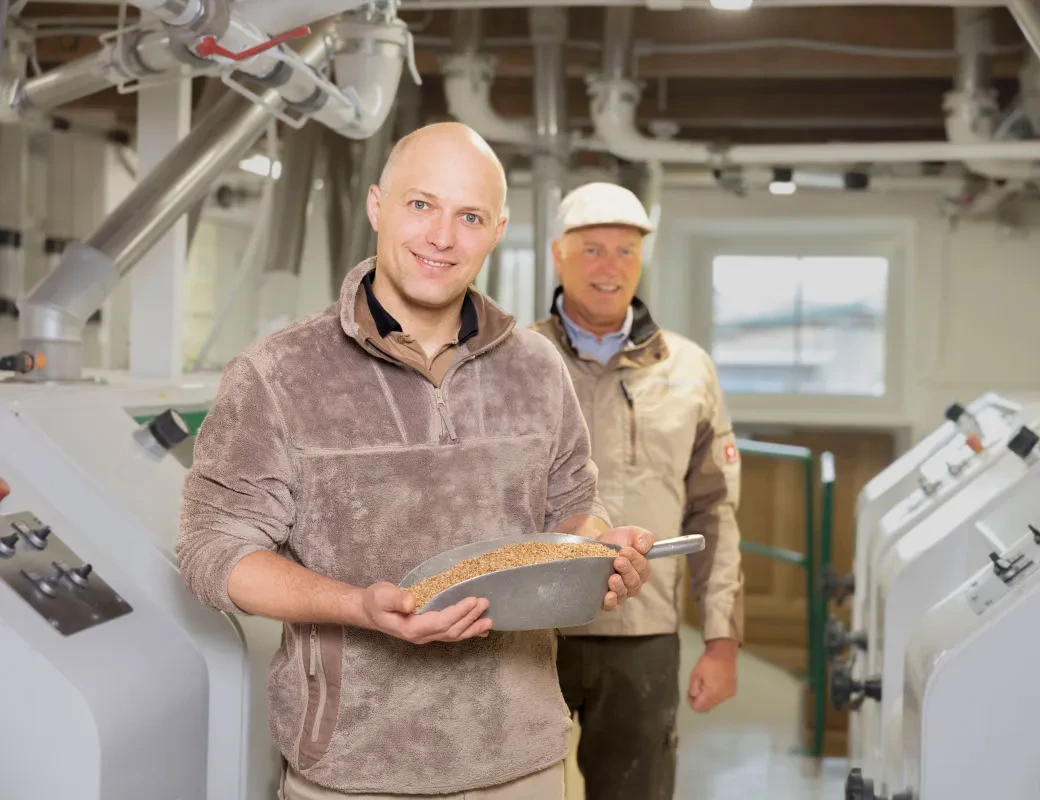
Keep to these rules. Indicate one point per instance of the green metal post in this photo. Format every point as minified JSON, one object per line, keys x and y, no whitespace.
{"x":820,"y":676}
{"x":812,"y":626}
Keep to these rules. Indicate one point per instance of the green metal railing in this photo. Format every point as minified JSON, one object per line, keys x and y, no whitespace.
{"x":812,"y":559}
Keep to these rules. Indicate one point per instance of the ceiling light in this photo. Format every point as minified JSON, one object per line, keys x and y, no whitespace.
{"x":782,"y":187}
{"x":261,"y":165}
{"x":731,"y":5}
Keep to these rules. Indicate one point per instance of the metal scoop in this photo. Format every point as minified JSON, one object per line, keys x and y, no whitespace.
{"x":552,"y":594}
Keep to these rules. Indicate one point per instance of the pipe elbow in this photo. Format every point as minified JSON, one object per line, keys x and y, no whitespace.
{"x":467,"y":91}
{"x":368,"y":64}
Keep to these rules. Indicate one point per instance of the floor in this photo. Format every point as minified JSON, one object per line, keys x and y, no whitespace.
{"x":745,"y":748}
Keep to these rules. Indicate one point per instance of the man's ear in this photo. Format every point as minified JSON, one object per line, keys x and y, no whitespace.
{"x":373,"y":203}
{"x":557,"y":251}
{"x":500,"y":229}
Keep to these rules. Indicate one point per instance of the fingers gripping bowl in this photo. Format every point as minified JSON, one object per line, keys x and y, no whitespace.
{"x":560,"y":593}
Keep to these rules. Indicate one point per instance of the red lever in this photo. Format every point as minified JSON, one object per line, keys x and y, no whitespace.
{"x":5,"y":489}
{"x":209,"y":47}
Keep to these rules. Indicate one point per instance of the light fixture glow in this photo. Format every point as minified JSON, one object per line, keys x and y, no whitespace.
{"x":261,"y":165}
{"x":782,"y":187}
{"x":731,"y":5}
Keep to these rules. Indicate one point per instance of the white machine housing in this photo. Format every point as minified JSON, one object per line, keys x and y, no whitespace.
{"x":931,"y":561}
{"x":72,"y":460}
{"x":893,"y":484}
{"x":971,"y":695}
{"x":939,"y":478}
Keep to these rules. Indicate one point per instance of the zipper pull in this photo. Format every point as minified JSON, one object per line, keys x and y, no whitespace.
{"x":438,"y":396}
{"x":314,"y":650}
{"x":627,"y":394}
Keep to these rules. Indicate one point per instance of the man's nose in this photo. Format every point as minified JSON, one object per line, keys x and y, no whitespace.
{"x":441,"y":232}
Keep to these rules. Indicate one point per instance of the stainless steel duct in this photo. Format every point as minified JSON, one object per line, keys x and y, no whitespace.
{"x":469,"y":29}
{"x":338,"y":203}
{"x":549,"y":32}
{"x":372,"y":153}
{"x":291,"y":195}
{"x":53,"y":313}
{"x":617,"y":37}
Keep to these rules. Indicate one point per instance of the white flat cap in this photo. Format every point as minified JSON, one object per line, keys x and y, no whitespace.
{"x":601,"y":204}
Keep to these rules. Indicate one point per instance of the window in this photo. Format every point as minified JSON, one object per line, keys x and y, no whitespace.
{"x":800,"y":325}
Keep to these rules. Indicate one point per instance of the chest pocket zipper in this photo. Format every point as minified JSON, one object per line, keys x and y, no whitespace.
{"x":631,"y":422}
{"x":317,"y":669}
{"x":443,"y":410}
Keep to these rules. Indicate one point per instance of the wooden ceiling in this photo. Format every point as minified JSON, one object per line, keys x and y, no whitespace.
{"x":820,"y":88}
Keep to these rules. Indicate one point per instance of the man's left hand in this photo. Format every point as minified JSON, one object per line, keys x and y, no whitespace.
{"x":714,"y":678}
{"x":633,"y":568}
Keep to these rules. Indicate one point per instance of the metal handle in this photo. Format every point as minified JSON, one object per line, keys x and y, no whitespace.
{"x":679,"y":546}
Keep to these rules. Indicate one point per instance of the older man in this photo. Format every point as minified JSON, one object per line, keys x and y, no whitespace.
{"x":664,"y":447}
{"x":409,"y":418}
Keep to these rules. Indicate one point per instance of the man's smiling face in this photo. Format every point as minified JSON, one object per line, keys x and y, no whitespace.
{"x":438,"y":213}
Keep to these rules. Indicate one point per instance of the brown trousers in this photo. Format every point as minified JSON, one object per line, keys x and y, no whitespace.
{"x":626,"y":692}
{"x":544,"y":785}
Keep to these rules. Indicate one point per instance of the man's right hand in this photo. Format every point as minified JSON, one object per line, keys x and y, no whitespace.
{"x":389,"y":610}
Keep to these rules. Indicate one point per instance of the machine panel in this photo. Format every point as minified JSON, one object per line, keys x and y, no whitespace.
{"x":52,"y":579}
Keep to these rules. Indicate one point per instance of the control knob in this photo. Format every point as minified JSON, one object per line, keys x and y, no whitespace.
{"x":846,"y":691}
{"x":859,"y":788}
{"x":7,"y":545}
{"x":79,"y":575}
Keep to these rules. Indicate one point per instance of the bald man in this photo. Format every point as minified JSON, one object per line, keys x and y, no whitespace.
{"x":409,"y":418}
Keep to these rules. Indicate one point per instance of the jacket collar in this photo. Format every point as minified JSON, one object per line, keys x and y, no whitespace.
{"x":483,"y":323}
{"x":647,"y":344}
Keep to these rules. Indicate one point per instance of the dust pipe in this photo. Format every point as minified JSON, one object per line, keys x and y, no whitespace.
{"x":549,"y":32}
{"x":55,"y":310}
{"x":368,"y":166}
{"x":614,"y":100}
{"x":339,"y":164}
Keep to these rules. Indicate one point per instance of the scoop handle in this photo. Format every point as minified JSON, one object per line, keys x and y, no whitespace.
{"x":679,"y":546}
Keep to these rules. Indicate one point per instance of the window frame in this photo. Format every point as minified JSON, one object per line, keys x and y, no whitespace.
{"x":889,"y":239}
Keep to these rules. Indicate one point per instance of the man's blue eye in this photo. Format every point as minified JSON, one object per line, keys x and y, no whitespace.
{"x":473,"y":219}
{"x":419,"y":205}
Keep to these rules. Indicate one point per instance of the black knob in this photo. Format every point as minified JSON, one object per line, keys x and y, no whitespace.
{"x":79,"y":575}
{"x":954,"y":412}
{"x":871,"y":688}
{"x":859,"y":788}
{"x":1023,"y":443}
{"x":169,"y":429}
{"x":1000,"y":565}
{"x":840,"y":588}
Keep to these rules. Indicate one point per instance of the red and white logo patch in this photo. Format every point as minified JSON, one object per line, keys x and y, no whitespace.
{"x":732,"y":454}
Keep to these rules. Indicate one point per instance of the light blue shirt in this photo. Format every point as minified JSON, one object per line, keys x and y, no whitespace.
{"x":588,"y":343}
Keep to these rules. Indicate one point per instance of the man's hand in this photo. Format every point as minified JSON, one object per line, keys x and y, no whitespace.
{"x":714,"y":678}
{"x":389,"y":610}
{"x":633,"y":568}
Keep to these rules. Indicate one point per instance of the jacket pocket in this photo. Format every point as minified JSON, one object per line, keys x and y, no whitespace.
{"x":322,"y":661}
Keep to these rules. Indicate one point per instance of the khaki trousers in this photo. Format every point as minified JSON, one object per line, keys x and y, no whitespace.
{"x":544,"y":785}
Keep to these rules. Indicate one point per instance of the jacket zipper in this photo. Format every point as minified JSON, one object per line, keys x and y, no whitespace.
{"x":631,"y":422}
{"x":317,"y":668}
{"x":443,"y":409}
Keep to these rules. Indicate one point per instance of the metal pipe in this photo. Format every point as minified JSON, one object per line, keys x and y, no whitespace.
{"x":55,"y":310}
{"x":369,"y":166}
{"x":974,"y":37}
{"x":64,"y":84}
{"x":338,"y":204}
{"x":469,"y":30}
{"x":1027,"y":15}
{"x":549,"y":31}
{"x":291,"y":195}
{"x":617,"y":47}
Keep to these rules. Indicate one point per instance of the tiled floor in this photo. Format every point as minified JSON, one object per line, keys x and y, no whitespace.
{"x":744,"y":749}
